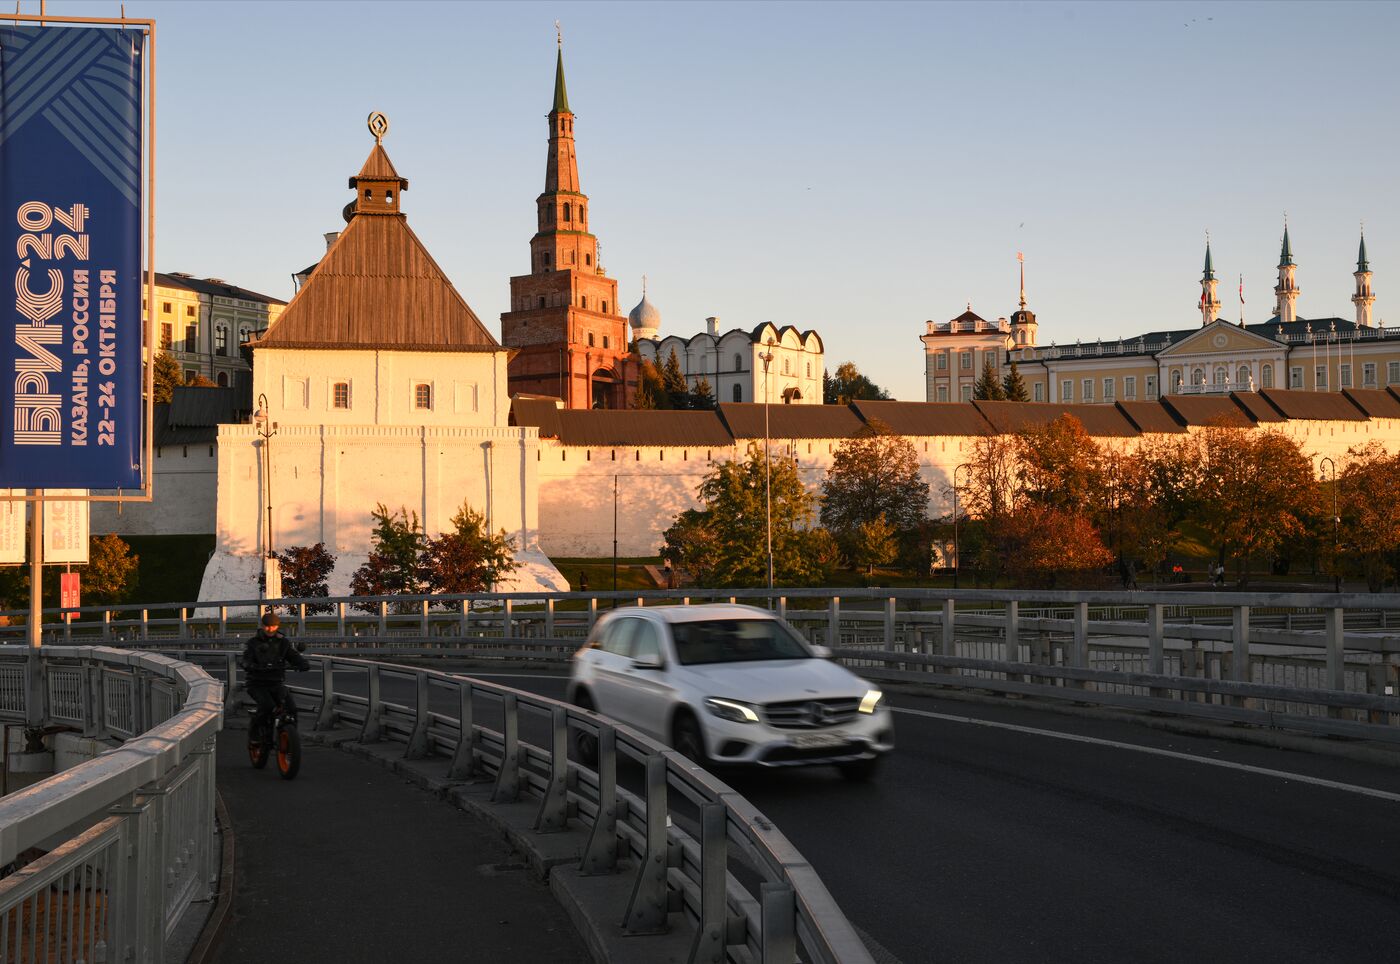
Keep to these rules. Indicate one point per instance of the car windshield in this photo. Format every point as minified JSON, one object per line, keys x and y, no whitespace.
{"x":735,"y":641}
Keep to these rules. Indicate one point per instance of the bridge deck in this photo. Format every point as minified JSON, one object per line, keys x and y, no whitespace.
{"x":349,"y":863}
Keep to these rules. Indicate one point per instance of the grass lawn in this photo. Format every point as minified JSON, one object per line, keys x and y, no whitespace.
{"x":599,"y":572}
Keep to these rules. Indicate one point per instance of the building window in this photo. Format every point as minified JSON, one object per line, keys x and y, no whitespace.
{"x":340,"y":395}
{"x":942,"y":393}
{"x":1221,"y":376}
{"x":223,"y":380}
{"x":567,"y":216}
{"x":605,"y":307}
{"x":1344,"y":376}
{"x":965,"y":361}
{"x":590,"y":339}
{"x":738,"y":362}
{"x":967,"y":393}
{"x":1320,"y":377}
{"x":1176,"y":382}
{"x":1088,"y":390}
{"x":1108,"y":389}
{"x":1150,"y":387}
{"x":191,"y":338}
{"x":1368,"y":375}
{"x":588,"y":262}
{"x":167,"y":335}
{"x":605,"y":341}
{"x":1295,"y":378}
{"x":1066,"y":391}
{"x":423,"y":395}
{"x":1392,"y":373}
{"x":583,"y":301}
{"x":1129,"y":387}
{"x":243,"y":335}
{"x":809,"y":369}
{"x":165,"y":307}
{"x":190,"y":376}
{"x":1243,"y":376}
{"x":1266,"y":376}
{"x":738,"y":393}
{"x":943,"y":361}
{"x":221,"y":339}
{"x":541,"y":301}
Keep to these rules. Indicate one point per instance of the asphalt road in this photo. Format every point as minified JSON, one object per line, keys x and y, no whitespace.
{"x":1009,"y":833}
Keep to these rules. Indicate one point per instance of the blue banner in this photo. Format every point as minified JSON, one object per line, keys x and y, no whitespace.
{"x":70,"y":201}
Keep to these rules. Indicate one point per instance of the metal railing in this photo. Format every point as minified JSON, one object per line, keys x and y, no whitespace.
{"x":689,"y":842}
{"x":105,"y":858}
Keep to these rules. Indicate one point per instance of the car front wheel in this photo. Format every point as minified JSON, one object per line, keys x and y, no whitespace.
{"x":687,"y":739}
{"x":585,"y":741}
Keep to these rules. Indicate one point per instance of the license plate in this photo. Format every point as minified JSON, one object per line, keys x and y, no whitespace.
{"x":816,"y":741}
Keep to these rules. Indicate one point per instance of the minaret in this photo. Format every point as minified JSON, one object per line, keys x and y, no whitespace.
{"x":1364,"y":297}
{"x":1286,"y":291}
{"x":1023,"y":325}
{"x":1210,"y":300}
{"x":573,"y":343}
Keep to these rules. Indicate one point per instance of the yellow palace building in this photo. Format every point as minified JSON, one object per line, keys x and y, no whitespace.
{"x":1219,"y":357}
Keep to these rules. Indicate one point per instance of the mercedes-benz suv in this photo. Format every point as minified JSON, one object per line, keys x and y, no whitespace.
{"x":729,"y":685}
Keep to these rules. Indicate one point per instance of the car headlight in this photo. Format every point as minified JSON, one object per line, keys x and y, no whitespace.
{"x":731,"y":710}
{"x":871,"y":701}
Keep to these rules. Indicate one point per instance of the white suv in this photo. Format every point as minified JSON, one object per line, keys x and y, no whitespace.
{"x":729,"y":685}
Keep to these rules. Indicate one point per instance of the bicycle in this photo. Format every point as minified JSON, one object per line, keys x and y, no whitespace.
{"x":284,"y":738}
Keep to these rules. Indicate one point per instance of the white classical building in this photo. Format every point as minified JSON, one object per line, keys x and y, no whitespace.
{"x":382,"y":387}
{"x":732,"y":362}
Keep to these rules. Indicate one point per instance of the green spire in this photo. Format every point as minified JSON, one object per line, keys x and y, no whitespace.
{"x":1285,"y":256}
{"x":561,"y":93}
{"x":1361,"y":263}
{"x":1209,"y":273}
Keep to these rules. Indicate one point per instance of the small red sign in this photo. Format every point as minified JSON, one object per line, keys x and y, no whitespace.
{"x":69,"y":596}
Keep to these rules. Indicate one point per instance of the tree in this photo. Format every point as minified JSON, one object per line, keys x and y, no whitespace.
{"x":723,"y":543}
{"x":988,"y":387}
{"x":469,"y":558}
{"x":395,"y":564}
{"x":702,"y":397}
{"x":677,"y":393}
{"x":110,"y":575}
{"x":167,"y":377}
{"x":874,"y":475}
{"x":196,"y":380}
{"x":1060,"y":465}
{"x":849,"y":385}
{"x":651,"y":389}
{"x":1368,"y":503}
{"x":1048,"y":546}
{"x":1014,"y":387}
{"x":304,"y":572}
{"x":1257,"y":491}
{"x":874,"y":544}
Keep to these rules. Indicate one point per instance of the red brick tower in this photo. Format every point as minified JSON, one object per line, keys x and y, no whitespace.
{"x":570,"y":339}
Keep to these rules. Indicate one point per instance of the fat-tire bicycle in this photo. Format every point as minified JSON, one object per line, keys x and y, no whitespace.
{"x":283,"y":741}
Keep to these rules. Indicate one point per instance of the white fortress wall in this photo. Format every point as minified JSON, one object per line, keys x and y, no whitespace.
{"x":185,"y":483}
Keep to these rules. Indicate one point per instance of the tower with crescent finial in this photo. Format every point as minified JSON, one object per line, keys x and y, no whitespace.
{"x":1364,"y":297}
{"x":1210,"y":285}
{"x":1286,"y":291}
{"x":570,"y":339}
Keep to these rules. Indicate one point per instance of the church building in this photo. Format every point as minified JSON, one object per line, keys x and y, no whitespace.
{"x":569,"y":337}
{"x":378,"y":385}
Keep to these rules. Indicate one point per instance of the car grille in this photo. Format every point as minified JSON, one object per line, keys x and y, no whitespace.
{"x":811,"y":714}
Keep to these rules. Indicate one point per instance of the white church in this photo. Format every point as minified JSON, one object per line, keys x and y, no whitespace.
{"x":378,"y":384}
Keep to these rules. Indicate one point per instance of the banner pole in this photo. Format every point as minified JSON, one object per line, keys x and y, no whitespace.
{"x":34,"y":697}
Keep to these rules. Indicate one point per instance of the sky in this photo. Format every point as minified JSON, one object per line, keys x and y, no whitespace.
{"x":857,"y":169}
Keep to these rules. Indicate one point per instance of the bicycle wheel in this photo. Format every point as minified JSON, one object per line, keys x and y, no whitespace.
{"x":288,"y":752}
{"x":257,"y":749}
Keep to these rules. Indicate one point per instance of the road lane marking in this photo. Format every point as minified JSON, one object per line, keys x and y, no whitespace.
{"x":1155,"y":751}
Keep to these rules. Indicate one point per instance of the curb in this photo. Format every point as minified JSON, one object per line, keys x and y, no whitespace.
{"x":593,"y":904}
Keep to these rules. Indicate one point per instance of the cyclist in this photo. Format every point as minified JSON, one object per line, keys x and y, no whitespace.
{"x":264,"y":662}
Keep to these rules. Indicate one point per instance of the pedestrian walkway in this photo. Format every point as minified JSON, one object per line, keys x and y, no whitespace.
{"x":349,"y":863}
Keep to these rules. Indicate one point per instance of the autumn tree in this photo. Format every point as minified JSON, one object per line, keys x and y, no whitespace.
{"x":166,"y":378}
{"x":988,"y":387}
{"x":874,"y":475}
{"x":395,"y":564}
{"x":1256,"y":492}
{"x":874,"y":543}
{"x":651,"y":387}
{"x":723,"y":543}
{"x":1060,"y":465}
{"x":469,"y":557}
{"x":673,"y":382}
{"x":1053,"y":547}
{"x":1368,"y":503}
{"x":1013,"y":386}
{"x":110,"y":574}
{"x":849,"y":385}
{"x":304,"y":573}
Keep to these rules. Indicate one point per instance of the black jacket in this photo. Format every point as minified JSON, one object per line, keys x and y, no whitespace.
{"x":266,"y":656}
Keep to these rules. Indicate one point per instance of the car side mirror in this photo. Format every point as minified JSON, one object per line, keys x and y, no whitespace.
{"x":821,"y":652}
{"x":648,"y":662}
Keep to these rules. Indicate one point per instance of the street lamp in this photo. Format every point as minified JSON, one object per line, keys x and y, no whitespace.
{"x":957,"y":557}
{"x":1336,"y":527}
{"x":266,"y":428}
{"x":767,"y":359}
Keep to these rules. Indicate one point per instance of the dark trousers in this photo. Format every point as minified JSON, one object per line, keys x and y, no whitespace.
{"x":268,"y":696}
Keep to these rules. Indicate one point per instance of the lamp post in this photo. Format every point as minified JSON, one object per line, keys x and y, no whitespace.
{"x":957,"y":557}
{"x":614,"y":532}
{"x":1336,"y":527}
{"x":767,"y":359}
{"x":266,"y":428}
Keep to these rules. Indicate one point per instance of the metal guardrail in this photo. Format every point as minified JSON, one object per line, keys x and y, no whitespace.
{"x":129,"y":835}
{"x":691,"y":843}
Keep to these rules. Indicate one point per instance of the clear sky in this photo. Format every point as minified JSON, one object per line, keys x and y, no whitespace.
{"x":856,"y":169}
